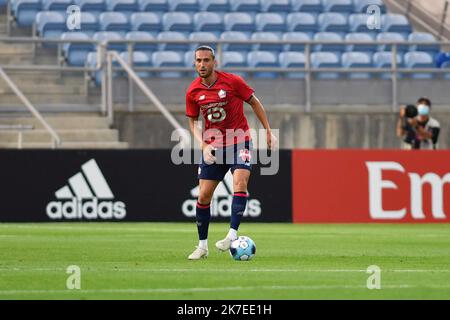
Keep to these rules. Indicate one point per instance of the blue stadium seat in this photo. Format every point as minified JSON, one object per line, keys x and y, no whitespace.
{"x":114,"y":21}
{"x":183,"y":5}
{"x":177,"y":21}
{"x":266,"y":36}
{"x":153,"y":5}
{"x":56,"y":5}
{"x":416,"y":60}
{"x":357,"y":60}
{"x":325,"y":60}
{"x":263,"y":59}
{"x":391,"y":22}
{"x":92,"y":6}
{"x":76,"y":53}
{"x":384,"y":60}
{"x":312,"y":6}
{"x":245,"y":5}
{"x":275,"y":5}
{"x":215,"y":5}
{"x":391,"y":36}
{"x":124,"y":6}
{"x":110,"y":35}
{"x":146,"y":21}
{"x":140,"y":59}
{"x":332,"y":22}
{"x":301,"y":21}
{"x":208,"y":21}
{"x":233,"y":59}
{"x":189,"y":59}
{"x":360,"y":6}
{"x":142,"y":35}
{"x":329,"y":36}
{"x":168,"y":59}
{"x":172,"y":35}
{"x":236,"y":35}
{"x":239,"y":21}
{"x":50,"y":24}
{"x":295,"y":36}
{"x":446,"y":65}
{"x":89,"y":23}
{"x":203,"y":38}
{"x":424,"y":37}
{"x":358,"y":23}
{"x":91,"y":62}
{"x":361,"y":36}
{"x":291,"y":59}
{"x":24,"y":11}
{"x":442,"y":58}
{"x":270,"y":22}
{"x":345,"y":6}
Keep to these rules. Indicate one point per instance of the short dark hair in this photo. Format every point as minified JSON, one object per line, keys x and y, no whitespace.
{"x":424,"y":100}
{"x":411,"y":111}
{"x":206,"y":48}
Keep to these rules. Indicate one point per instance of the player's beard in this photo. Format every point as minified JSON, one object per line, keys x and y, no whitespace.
{"x":206,"y":74}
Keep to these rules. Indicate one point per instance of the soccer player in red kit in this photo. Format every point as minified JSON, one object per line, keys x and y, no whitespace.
{"x":225,"y":142}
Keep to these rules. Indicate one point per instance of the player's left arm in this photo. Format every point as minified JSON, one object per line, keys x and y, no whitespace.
{"x":260,"y":112}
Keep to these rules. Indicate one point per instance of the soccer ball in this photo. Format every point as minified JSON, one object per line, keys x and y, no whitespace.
{"x":243,"y":249}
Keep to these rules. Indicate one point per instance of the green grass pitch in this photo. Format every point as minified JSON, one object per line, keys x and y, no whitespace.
{"x":149,"y":261}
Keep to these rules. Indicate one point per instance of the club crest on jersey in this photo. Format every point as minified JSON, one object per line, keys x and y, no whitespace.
{"x":202,"y":97}
{"x":222,"y":94}
{"x":245,"y":155}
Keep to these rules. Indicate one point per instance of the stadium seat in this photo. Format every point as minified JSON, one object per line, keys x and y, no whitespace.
{"x":146,"y":21}
{"x":203,"y":38}
{"x":245,"y":5}
{"x":56,"y":5}
{"x":442,"y":58}
{"x":329,"y":36}
{"x":301,"y":21}
{"x":357,"y":60}
{"x":332,"y":22}
{"x":177,"y":21}
{"x":168,"y":59}
{"x":295,"y":36}
{"x":172,"y":35}
{"x":189,"y":59}
{"x":363,"y":37}
{"x":325,"y":60}
{"x":415,"y":60}
{"x":266,"y":36}
{"x":76,"y":53}
{"x":214,"y":5}
{"x":239,"y":21}
{"x":384,"y":60}
{"x":275,"y":6}
{"x":50,"y":24}
{"x":24,"y":11}
{"x":312,"y":6}
{"x":89,"y":23}
{"x":358,"y":23}
{"x":344,"y":6}
{"x":153,"y":5}
{"x":360,"y":6}
{"x":291,"y":59}
{"x":183,"y":5}
{"x":233,"y":36}
{"x":114,"y":21}
{"x":142,"y":35}
{"x":424,"y":37}
{"x":391,"y":22}
{"x":270,"y":22}
{"x":263,"y":59}
{"x":124,"y":6}
{"x":208,"y":21}
{"x":140,"y":59}
{"x":394,"y":37}
{"x":91,"y":6}
{"x":108,"y":36}
{"x":446,"y":65}
{"x":156,"y":6}
{"x":233,"y":59}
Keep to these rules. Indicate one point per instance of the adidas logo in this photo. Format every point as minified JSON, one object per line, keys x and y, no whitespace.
{"x":221,"y":201}
{"x":87,"y":196}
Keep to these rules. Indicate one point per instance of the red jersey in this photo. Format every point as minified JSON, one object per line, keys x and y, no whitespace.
{"x":222,"y":107}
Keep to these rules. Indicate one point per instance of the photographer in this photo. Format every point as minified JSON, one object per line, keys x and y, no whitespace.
{"x":405,"y":126}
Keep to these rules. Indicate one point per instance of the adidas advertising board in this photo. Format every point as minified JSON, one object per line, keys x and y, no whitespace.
{"x":126,"y":185}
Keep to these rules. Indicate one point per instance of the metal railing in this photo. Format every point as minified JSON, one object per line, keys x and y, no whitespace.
{"x":56,"y":141}
{"x":19,"y":128}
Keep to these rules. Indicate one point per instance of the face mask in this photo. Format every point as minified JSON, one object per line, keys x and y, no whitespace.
{"x":423,"y":109}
